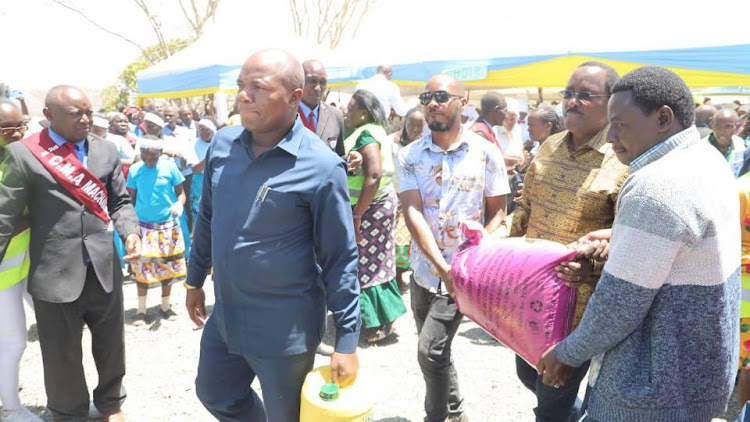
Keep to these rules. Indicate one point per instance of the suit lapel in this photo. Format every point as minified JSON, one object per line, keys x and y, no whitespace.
{"x":94,"y":152}
{"x":322,"y":118}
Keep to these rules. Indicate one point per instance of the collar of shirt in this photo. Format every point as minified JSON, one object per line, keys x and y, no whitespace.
{"x":682,"y":139}
{"x":305,"y":109}
{"x":461,"y":145}
{"x":59,"y":140}
{"x":289,"y":143}
{"x":730,"y":148}
{"x":598,"y":142}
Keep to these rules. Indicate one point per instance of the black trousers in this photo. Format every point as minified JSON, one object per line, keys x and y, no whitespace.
{"x":60,"y":327}
{"x":553,"y":404}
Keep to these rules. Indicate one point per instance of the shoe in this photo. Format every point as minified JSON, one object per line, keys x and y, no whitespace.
{"x":19,"y":415}
{"x":94,"y":413}
{"x":169,"y":314}
{"x":460,"y":418}
{"x":138,"y":320}
{"x":324,"y":350}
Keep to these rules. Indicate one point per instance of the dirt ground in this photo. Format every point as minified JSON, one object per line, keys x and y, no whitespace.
{"x":162,"y":359}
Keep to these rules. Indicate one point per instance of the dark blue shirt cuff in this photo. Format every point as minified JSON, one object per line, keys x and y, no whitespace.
{"x":346,"y":342}
{"x":196,"y":276}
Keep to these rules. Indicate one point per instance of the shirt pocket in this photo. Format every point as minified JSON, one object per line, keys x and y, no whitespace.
{"x":275,"y":213}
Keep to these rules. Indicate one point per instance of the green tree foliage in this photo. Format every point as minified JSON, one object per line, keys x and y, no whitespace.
{"x":117,"y":95}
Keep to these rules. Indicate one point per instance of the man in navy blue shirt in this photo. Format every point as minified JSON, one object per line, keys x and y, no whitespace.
{"x":275,"y":223}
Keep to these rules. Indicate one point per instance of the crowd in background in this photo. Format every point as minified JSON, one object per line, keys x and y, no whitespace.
{"x":520,"y":170}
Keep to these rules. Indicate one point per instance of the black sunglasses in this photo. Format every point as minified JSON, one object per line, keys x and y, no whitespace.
{"x":584,"y":97}
{"x":440,"y":96}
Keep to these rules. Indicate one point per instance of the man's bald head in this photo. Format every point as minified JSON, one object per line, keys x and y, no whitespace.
{"x":447,"y":83}
{"x":270,"y":86}
{"x":313,"y":65}
{"x":726,"y":114}
{"x":703,"y":115}
{"x":69,"y":112}
{"x":724,"y":123}
{"x":444,"y":114}
{"x":316,"y":82}
{"x":62,"y":95}
{"x":279,"y":64}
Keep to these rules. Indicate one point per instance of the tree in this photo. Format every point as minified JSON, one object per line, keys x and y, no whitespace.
{"x":328,"y":19}
{"x":196,"y":17}
{"x":118,"y":95}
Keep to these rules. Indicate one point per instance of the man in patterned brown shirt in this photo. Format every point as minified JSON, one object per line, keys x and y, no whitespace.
{"x":571,"y":190}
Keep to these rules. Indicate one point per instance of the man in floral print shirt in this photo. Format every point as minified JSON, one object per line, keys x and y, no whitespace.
{"x":448,"y":176}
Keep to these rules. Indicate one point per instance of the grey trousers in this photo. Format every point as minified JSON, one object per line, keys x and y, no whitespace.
{"x":60,"y":327}
{"x":437,"y":319}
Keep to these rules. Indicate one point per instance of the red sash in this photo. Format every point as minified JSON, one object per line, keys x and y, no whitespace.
{"x":64,"y":166}
{"x":486,"y":130}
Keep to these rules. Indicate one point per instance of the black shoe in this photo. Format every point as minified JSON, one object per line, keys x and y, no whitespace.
{"x":139,"y":319}
{"x":169,"y":314}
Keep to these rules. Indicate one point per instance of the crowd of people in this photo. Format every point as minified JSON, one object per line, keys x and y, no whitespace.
{"x":296,"y":210}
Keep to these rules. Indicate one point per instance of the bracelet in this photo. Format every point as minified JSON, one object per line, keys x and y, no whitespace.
{"x":357,"y":217}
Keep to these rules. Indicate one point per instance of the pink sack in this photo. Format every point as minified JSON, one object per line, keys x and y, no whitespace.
{"x":510,"y":288}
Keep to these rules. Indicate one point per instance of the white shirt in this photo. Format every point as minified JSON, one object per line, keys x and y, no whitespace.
{"x":387,"y":93}
{"x":201,"y":148}
{"x":123,"y":146}
{"x":510,"y":142}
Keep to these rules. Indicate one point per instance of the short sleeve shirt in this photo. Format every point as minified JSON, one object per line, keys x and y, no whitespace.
{"x":154,"y":189}
{"x":453,"y":185}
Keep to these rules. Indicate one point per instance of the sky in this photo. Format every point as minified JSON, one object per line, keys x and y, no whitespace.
{"x":57,"y":46}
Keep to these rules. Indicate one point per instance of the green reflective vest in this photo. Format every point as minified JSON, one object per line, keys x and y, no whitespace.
{"x":14,"y":266}
{"x":386,"y":162}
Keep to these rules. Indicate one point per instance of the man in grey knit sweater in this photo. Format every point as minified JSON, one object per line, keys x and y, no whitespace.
{"x":662,"y":325}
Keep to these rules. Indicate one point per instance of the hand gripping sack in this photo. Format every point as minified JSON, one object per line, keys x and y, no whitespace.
{"x":510,"y":288}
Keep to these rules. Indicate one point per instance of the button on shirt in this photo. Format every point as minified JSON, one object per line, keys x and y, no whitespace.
{"x":453,"y":185}
{"x":277,"y":229}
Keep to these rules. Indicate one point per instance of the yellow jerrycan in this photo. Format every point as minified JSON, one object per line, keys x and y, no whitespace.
{"x":323,"y":401}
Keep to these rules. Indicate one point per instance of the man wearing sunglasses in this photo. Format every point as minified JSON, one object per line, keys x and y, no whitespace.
{"x":445,"y":178}
{"x":569,"y":191}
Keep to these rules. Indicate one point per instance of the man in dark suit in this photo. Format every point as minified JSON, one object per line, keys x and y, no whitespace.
{"x":324,"y":120}
{"x":73,"y":276}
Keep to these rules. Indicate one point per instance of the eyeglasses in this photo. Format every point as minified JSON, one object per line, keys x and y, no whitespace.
{"x":440,"y":96}
{"x":9,"y":131}
{"x":584,"y":97}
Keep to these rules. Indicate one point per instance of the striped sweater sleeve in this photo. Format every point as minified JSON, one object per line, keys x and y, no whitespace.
{"x":647,"y":238}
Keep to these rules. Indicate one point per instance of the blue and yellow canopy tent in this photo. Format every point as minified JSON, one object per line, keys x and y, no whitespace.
{"x":703,"y":67}
{"x":700,"y":68}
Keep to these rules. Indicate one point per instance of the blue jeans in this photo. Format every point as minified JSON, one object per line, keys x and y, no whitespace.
{"x":223,"y":382}
{"x":553,"y":404}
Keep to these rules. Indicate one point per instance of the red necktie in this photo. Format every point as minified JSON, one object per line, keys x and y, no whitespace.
{"x":308,"y":121}
{"x":311,"y":122}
